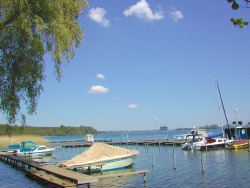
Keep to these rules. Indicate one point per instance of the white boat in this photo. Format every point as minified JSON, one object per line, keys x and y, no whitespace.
{"x":32,"y":148}
{"x":101,"y":157}
{"x":89,"y":138}
{"x":197,"y":133}
{"x":212,"y":142}
{"x":190,"y":139}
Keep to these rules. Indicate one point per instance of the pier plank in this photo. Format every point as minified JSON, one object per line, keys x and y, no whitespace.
{"x":122,"y":174}
{"x":50,"y":178}
{"x":68,"y":174}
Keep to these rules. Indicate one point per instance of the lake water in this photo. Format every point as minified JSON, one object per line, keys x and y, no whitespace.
{"x":222,"y":168}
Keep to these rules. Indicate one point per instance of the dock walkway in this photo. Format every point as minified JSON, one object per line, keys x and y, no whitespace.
{"x":58,"y":177}
{"x":28,"y":165}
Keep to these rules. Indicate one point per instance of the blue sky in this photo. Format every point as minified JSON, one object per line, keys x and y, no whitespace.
{"x":148,"y":63}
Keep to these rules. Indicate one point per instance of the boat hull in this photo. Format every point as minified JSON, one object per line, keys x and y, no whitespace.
{"x":39,"y":153}
{"x":108,"y":165}
{"x":240,"y":144}
{"x":217,"y":143}
{"x":118,"y":163}
{"x":212,"y":146}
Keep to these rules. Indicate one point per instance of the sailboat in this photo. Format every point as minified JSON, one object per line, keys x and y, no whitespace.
{"x":215,"y":141}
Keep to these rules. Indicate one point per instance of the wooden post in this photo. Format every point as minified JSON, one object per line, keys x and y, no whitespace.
{"x":89,"y":170}
{"x":202,"y":164}
{"x":69,"y":152}
{"x":248,"y":146}
{"x":144,"y":177}
{"x":153,"y":160}
{"x":174,"y":156}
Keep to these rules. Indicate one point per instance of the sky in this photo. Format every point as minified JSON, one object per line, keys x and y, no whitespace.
{"x":150,"y":63}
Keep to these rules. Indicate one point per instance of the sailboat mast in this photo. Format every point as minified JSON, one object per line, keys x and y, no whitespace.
{"x":218,"y":89}
{"x":219,"y":105}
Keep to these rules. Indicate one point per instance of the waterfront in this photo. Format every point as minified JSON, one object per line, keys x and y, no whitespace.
{"x":221,"y":168}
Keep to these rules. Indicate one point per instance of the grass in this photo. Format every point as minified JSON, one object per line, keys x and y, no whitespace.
{"x":6,"y":140}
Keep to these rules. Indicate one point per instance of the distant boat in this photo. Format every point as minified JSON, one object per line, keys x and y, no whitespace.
{"x":192,"y":134}
{"x":101,"y":157}
{"x":32,"y":148}
{"x":89,"y":138}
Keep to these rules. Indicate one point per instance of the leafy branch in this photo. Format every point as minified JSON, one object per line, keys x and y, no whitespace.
{"x":238,"y":21}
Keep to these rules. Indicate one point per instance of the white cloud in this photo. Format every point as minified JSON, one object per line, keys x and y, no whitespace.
{"x":176,"y":15}
{"x":132,"y":106}
{"x":143,"y":11}
{"x":98,"y":90}
{"x":100,"y":76}
{"x":98,"y":15}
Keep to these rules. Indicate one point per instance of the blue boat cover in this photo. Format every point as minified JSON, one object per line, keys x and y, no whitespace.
{"x":214,"y":136}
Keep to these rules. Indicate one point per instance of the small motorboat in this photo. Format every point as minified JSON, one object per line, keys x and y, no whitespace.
{"x":101,"y":157}
{"x":239,"y":144}
{"x":189,"y":136}
{"x":32,"y":148}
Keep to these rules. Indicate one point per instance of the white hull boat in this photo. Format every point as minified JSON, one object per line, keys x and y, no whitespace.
{"x":32,"y":148}
{"x":101,"y":157}
{"x":198,"y":133}
{"x":212,"y":142}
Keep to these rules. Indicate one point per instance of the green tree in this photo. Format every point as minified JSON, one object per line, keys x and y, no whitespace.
{"x":28,"y":30}
{"x":235,"y":6}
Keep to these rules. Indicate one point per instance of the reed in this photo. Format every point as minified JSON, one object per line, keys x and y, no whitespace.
{"x":17,"y":139}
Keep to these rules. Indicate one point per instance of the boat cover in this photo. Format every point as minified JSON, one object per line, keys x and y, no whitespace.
{"x":97,"y":153}
{"x":214,"y":136}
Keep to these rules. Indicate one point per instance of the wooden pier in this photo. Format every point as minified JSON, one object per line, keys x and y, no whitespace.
{"x":60,"y":177}
{"x":136,"y":142}
{"x":55,"y":176}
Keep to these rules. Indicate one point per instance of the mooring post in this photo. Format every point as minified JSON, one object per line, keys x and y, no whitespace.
{"x":248,"y":146}
{"x":153,"y":160}
{"x":88,"y":169}
{"x":202,"y":163}
{"x":144,"y":177}
{"x":174,"y":156}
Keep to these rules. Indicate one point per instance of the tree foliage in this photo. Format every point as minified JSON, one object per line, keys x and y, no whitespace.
{"x":235,"y":6}
{"x":29,"y":29}
{"x":214,"y":126}
{"x":46,"y":131}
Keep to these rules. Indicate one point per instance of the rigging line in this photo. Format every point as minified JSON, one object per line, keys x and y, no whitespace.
{"x":222,"y":106}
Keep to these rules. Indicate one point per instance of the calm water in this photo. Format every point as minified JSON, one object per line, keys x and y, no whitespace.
{"x":222,"y":168}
